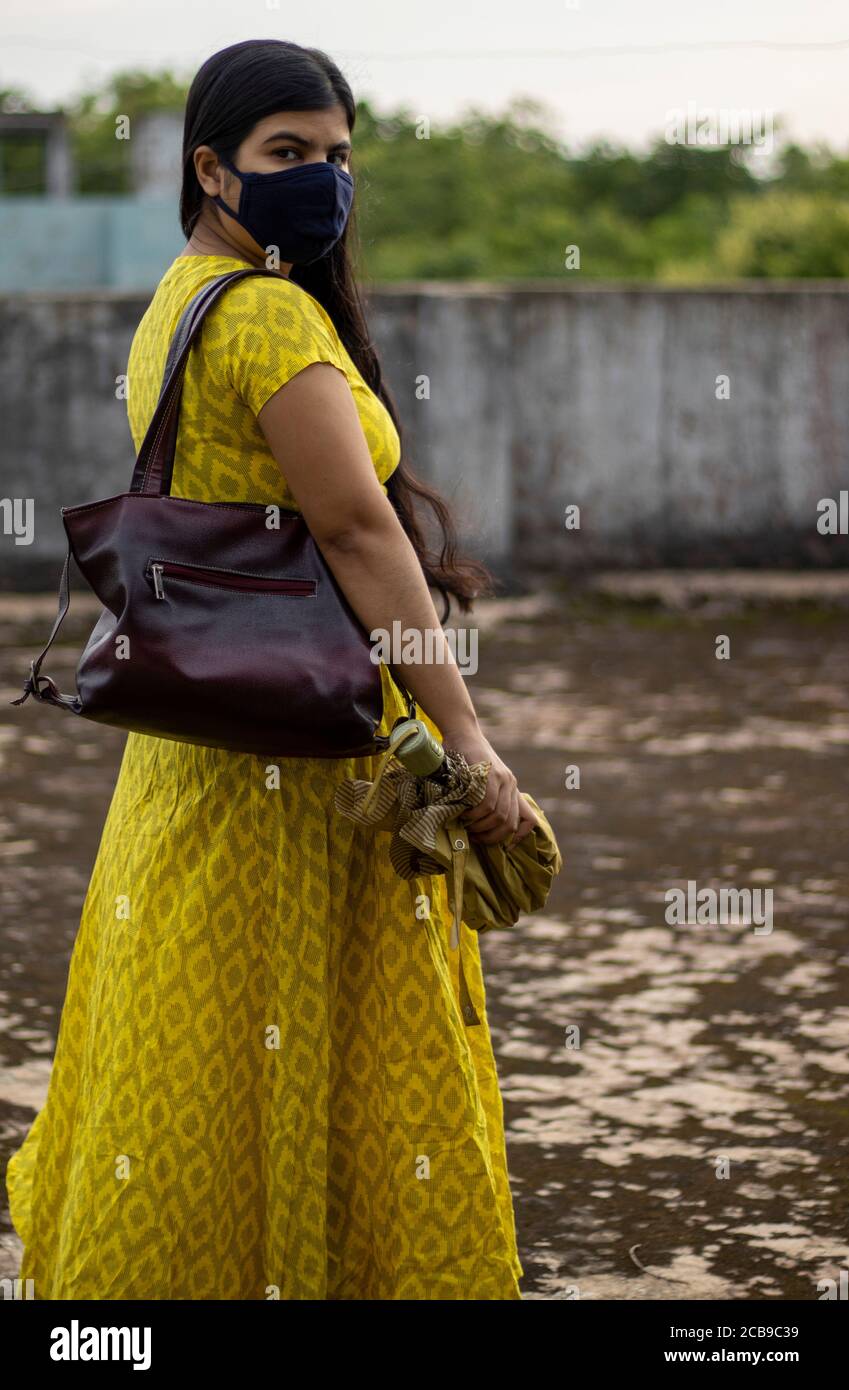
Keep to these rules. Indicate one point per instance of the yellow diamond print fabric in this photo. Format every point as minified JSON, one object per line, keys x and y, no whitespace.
{"x":263,"y":1086}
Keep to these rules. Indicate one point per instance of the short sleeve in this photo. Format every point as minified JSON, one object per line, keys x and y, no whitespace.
{"x":261,"y":333}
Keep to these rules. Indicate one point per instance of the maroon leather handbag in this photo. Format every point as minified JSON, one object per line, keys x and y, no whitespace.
{"x":216,"y":628}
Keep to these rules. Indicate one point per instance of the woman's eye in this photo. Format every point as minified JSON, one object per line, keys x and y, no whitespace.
{"x":341,"y":156}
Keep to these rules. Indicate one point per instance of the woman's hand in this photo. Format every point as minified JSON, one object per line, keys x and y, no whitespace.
{"x":503,"y":814}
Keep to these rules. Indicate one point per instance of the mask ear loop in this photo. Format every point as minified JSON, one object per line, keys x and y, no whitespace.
{"x":219,"y":201}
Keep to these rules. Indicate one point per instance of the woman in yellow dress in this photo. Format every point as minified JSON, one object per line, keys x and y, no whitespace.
{"x":361,"y":1156}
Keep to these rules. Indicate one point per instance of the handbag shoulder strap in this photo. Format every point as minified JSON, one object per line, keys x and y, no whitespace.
{"x":155,"y":463}
{"x":153,"y":473}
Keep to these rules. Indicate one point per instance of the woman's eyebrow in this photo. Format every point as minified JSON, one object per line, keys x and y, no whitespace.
{"x":300,"y":140}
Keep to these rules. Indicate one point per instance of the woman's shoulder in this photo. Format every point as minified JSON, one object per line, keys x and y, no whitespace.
{"x":265,"y":292}
{"x":273,"y":309}
{"x":260,"y":298}
{"x":260,"y":333}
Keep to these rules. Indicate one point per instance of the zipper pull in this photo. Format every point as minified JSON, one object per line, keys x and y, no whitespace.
{"x":156,"y":571}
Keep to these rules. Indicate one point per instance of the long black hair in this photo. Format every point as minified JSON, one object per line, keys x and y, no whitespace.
{"x":232,"y":91}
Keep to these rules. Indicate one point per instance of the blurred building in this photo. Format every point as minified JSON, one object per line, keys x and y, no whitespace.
{"x":56,"y":239}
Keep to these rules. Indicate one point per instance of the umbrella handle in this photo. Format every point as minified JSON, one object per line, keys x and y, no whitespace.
{"x":395,"y":741}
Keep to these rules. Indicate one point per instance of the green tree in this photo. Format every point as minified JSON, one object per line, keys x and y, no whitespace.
{"x":786,"y":235}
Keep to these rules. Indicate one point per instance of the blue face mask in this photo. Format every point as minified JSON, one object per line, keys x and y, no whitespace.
{"x":303,"y":211}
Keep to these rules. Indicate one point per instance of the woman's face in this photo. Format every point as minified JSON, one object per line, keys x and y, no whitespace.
{"x":285,"y":140}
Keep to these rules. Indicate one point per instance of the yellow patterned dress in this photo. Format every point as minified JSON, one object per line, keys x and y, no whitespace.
{"x":263,"y":1085}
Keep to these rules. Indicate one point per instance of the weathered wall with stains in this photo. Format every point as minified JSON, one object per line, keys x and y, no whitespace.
{"x":518,"y":402}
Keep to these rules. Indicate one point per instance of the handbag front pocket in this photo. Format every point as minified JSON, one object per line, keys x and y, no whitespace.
{"x":158,"y":571}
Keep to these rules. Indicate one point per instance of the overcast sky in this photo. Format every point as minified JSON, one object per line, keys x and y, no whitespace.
{"x":440,"y":57}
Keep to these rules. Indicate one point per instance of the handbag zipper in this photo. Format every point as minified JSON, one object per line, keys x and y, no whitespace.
{"x":228,"y":579}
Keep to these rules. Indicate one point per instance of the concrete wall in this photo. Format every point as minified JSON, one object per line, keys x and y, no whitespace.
{"x":540,"y":397}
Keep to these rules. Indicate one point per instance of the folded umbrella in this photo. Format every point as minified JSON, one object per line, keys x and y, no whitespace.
{"x":490,"y":886}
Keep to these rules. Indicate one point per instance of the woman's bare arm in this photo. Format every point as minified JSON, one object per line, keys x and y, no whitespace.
{"x":314,"y":432}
